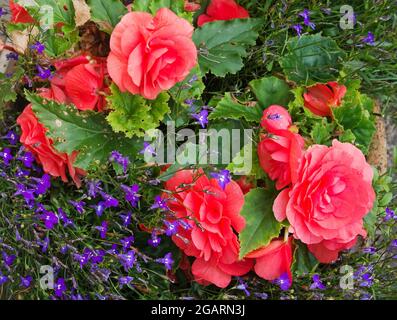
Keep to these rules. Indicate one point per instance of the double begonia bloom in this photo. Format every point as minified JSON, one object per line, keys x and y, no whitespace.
{"x":222,"y":10}
{"x":326,"y":205}
{"x":81,"y":81}
{"x":320,"y":98}
{"x":151,"y":54}
{"x":279,"y":156}
{"x":214,"y":218}
{"x":34,"y":139}
{"x":273,"y":260}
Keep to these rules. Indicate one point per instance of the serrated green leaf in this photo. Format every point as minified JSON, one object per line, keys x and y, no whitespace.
{"x":175,"y":5}
{"x":229,"y":108}
{"x":222,"y":44}
{"x":311,"y":59}
{"x":86,"y":132}
{"x":347,"y":136}
{"x":132,"y":114}
{"x":141,"y":5}
{"x":261,"y":226}
{"x":364,"y":133}
{"x":386,"y":199}
{"x":271,"y":90}
{"x":304,"y":261}
{"x":107,"y":12}
{"x":152,"y":6}
{"x":321,"y":132}
{"x":355,"y":114}
{"x":63,"y":10}
{"x":56,"y":44}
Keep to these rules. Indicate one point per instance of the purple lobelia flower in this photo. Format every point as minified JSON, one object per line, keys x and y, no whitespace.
{"x":2,"y":12}
{"x":393,"y":244}
{"x":50,"y":219}
{"x":8,"y":259}
{"x":6,"y":155}
{"x":109,"y":201}
{"x":131,"y":194}
{"x":17,"y":236}
{"x":64,"y":249}
{"x":317,"y":284}
{"x":159,"y":203}
{"x":27,"y":159}
{"x":94,"y":187}
{"x":117,"y":157}
{"x":44,"y":244}
{"x":154,"y":240}
{"x":64,"y":218}
{"x":125,"y":281}
{"x":223,"y":178}
{"x":26,"y":281}
{"x":366,"y":280}
{"x":20,"y":173}
{"x":3,"y":278}
{"x":12,"y":137}
{"x":78,"y":205}
{"x":60,"y":287}
{"x":127,"y":242}
{"x":38,"y":47}
{"x":97,"y":256}
{"x":190,"y":102}
{"x":369,"y":39}
{"x":283,"y":282}
{"x":43,"y":73}
{"x":43,"y":184}
{"x":148,"y":150}
{"x":389,"y":214}
{"x":366,"y":296}
{"x":305,"y":14}
{"x":243,"y":286}
{"x":99,"y":208}
{"x":167,"y":261}
{"x":193,"y":79}
{"x":126,"y":219}
{"x":127,"y":259}
{"x":103,"y":229}
{"x":27,"y":194}
{"x":113,"y":250}
{"x":77,"y":297}
{"x":12,"y":56}
{"x":261,"y":295}
{"x":201,"y":117}
{"x":369,"y":250}
{"x":171,"y":227}
{"x":103,"y":273}
{"x":83,"y":258}
{"x":298,"y":29}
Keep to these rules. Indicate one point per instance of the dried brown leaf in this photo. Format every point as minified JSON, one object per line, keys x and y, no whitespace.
{"x":82,"y":12}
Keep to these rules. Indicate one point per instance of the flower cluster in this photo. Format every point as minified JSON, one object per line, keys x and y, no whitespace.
{"x":327,"y":191}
